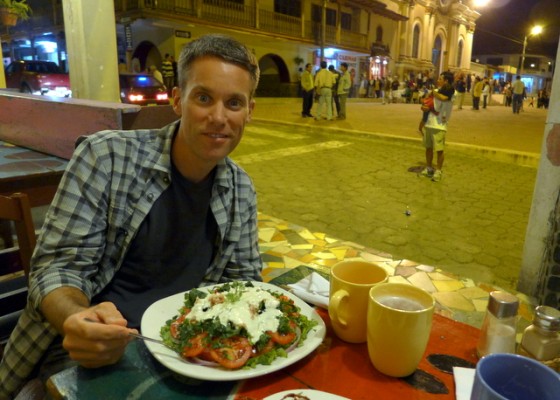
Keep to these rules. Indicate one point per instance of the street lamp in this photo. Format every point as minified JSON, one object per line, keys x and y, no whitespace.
{"x":537,"y":29}
{"x":480,"y":3}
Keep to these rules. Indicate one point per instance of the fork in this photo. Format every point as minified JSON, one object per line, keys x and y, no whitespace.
{"x":136,"y":335}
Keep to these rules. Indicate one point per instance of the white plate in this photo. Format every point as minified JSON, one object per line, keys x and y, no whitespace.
{"x":163,"y":310}
{"x":310,"y":394}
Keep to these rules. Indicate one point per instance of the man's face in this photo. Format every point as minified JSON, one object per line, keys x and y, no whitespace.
{"x":309,"y":67}
{"x":214,"y":107}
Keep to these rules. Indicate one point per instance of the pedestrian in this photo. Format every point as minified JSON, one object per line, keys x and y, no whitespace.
{"x":377,"y":88}
{"x":156,"y":74}
{"x":141,"y":215}
{"x":123,"y":69}
{"x":364,"y":83}
{"x":436,"y":126}
{"x":385,"y":90}
{"x":168,"y":74}
{"x":344,"y":84}
{"x":508,"y":94}
{"x":477,"y":92}
{"x":175,"y":74}
{"x":336,"y":76}
{"x":307,"y":89}
{"x":324,"y":81}
{"x":518,"y":89}
{"x":460,"y":89}
{"x":394,"y":93}
{"x":485,"y":92}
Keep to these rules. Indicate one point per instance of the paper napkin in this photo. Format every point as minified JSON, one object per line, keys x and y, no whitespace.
{"x":313,"y":289}
{"x":464,"y":380}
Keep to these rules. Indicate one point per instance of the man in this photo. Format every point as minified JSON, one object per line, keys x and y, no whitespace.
{"x":518,"y":88}
{"x":344,"y":84}
{"x":168,"y":74}
{"x":140,"y":215}
{"x":477,"y":92}
{"x":436,"y":126}
{"x":336,"y":76}
{"x":324,"y":81}
{"x":307,"y":88}
{"x":485,"y":92}
{"x":395,"y":92}
{"x":460,"y":90}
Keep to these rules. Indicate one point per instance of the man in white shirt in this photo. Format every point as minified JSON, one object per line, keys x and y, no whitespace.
{"x":343,"y":89}
{"x":324,"y":82}
{"x":518,"y":90}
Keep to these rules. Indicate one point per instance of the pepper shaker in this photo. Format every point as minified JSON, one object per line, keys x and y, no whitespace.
{"x":542,"y":339}
{"x":499,"y":327}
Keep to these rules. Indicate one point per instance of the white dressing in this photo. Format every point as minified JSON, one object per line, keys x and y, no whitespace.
{"x":245,"y":312}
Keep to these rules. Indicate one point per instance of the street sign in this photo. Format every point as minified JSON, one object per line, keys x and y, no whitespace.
{"x":128,"y":36}
{"x":183,"y":34}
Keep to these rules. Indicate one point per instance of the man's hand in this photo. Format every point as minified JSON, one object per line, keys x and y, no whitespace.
{"x":96,"y":336}
{"x":92,"y":344}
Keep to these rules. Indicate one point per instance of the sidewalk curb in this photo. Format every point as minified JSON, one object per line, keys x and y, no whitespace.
{"x":524,"y":159}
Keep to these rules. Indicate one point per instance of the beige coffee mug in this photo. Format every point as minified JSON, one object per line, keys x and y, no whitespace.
{"x":399,"y":322}
{"x":348,"y":301}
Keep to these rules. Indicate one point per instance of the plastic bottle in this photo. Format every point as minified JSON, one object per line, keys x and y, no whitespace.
{"x":542,"y":339}
{"x":499,"y":327}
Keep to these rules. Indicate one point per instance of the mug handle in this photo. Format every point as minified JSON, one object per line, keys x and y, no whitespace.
{"x":334,"y":304}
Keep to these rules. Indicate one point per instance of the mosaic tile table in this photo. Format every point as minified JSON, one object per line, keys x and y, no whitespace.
{"x":285,"y":246}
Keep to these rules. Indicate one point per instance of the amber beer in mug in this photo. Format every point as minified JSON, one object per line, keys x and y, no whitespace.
{"x":399,"y":321}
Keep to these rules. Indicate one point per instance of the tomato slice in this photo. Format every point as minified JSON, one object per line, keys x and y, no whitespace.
{"x":284,"y":338}
{"x":196,"y":346}
{"x":174,"y":327}
{"x":233,"y":353}
{"x":266,"y":348}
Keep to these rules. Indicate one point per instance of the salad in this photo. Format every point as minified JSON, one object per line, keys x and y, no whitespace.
{"x":236,"y":325}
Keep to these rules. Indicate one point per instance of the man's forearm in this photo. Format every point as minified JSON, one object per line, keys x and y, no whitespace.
{"x":61,"y":303}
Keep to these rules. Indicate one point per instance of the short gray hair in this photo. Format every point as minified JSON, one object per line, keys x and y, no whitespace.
{"x":220,"y":46}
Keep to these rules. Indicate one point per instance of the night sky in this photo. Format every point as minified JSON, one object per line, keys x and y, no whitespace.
{"x":504,"y":23}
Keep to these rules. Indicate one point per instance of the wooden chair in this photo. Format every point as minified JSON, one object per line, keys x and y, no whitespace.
{"x":17,"y":208}
{"x":14,"y":209}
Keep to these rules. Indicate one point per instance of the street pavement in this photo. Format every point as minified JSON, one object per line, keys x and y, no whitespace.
{"x":357,"y":180}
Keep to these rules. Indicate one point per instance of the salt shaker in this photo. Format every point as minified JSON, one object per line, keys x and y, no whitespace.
{"x":542,"y":339}
{"x":499,"y":326}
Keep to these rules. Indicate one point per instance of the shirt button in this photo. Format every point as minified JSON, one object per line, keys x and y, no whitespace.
{"x":166,"y":179}
{"x":150,"y":197}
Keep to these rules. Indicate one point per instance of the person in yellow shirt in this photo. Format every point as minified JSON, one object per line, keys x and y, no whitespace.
{"x":308,"y":89}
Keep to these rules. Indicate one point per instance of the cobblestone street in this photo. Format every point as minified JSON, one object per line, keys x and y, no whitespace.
{"x":359,"y":186}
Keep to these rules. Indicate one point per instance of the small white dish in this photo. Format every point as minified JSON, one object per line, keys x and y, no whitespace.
{"x":308,"y":393}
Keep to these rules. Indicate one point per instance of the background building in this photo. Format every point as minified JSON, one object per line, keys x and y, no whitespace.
{"x":377,"y":38}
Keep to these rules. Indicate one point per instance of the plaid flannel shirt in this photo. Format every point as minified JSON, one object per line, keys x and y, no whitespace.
{"x":110,"y":184}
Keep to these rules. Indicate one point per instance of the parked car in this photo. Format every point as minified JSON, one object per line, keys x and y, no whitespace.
{"x":38,"y":77}
{"x":142,"y":89}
